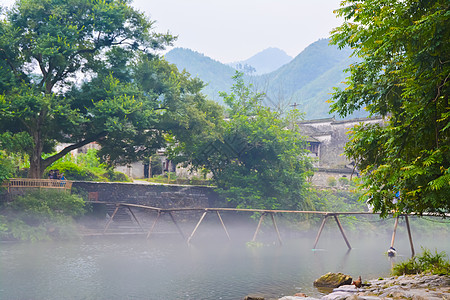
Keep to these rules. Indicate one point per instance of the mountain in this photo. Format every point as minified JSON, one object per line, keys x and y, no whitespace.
{"x":216,"y":75}
{"x":263,"y":62}
{"x":306,"y":81}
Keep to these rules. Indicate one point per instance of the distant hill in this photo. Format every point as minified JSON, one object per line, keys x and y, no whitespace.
{"x":263,"y":62}
{"x":307,"y":80}
{"x":216,"y":74}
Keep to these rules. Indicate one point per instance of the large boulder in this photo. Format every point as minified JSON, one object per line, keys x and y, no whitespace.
{"x":333,"y":280}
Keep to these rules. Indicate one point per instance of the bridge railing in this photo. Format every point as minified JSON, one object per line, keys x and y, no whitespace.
{"x":37,"y":183}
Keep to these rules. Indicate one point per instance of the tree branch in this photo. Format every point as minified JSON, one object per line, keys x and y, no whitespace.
{"x":48,"y":161}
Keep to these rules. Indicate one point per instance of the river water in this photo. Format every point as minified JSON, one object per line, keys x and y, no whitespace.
{"x":167,"y":268}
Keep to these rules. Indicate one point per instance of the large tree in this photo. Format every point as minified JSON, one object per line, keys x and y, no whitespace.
{"x":259,"y":159}
{"x":79,"y":71}
{"x":403,"y":76}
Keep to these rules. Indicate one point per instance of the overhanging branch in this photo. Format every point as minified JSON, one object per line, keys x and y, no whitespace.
{"x":48,"y":161}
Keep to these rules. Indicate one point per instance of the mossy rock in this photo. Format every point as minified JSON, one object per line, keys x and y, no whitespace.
{"x":333,"y":280}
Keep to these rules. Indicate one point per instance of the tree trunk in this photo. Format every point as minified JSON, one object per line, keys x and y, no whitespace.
{"x":36,"y":169}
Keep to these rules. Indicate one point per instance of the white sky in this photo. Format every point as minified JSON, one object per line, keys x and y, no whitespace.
{"x":232,"y":30}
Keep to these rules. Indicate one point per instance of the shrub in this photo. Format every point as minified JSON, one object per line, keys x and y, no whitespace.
{"x":74,"y":172}
{"x":331,"y":181}
{"x":343,"y":181}
{"x":41,"y":215}
{"x":116,"y":176}
{"x":427,"y":262}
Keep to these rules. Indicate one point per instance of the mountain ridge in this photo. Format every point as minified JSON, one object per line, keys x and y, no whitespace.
{"x":308,"y":79}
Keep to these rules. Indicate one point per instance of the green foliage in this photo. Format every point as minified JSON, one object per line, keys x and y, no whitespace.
{"x":6,"y":168}
{"x":131,"y":103}
{"x":74,"y":172}
{"x":257,"y":162}
{"x":427,"y":262}
{"x":86,"y":167}
{"x":331,"y":181}
{"x":403,"y":76}
{"x":307,"y":80}
{"x":41,"y":215}
{"x":344,"y":181}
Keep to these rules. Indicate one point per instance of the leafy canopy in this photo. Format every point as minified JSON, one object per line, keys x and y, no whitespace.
{"x":403,"y":76}
{"x":82,"y":71}
{"x":258,"y":161}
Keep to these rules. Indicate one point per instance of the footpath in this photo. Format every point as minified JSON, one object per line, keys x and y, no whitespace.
{"x":416,"y":287}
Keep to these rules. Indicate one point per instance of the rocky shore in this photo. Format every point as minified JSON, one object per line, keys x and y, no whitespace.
{"x":416,"y":287}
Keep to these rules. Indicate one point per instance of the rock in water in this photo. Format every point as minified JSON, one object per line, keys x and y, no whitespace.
{"x":333,"y":280}
{"x":254,"y":297}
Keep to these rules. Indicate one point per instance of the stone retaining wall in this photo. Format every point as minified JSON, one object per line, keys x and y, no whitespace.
{"x":163,"y":196}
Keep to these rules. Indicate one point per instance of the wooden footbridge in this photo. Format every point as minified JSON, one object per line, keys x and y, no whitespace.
{"x":263,"y":213}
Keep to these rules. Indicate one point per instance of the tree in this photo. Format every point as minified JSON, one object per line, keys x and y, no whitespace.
{"x":403,"y":76}
{"x":257,"y":162}
{"x":75,"y":72}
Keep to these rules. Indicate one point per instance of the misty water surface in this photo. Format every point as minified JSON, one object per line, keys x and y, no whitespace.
{"x":211,"y":268}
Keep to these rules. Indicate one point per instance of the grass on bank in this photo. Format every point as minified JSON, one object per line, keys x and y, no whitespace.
{"x":428,"y":262}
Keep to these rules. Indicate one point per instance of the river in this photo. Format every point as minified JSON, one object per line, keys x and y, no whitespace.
{"x":166,"y":268}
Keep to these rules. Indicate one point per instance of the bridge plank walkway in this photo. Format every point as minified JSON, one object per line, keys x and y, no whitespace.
{"x":264,"y":212}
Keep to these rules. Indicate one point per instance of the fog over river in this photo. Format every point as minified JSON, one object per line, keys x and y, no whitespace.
{"x":165,"y":267}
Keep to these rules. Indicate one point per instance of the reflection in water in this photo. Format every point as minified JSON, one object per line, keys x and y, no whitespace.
{"x":104,"y":268}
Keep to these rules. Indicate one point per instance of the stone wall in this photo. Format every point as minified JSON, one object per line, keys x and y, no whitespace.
{"x":163,"y":196}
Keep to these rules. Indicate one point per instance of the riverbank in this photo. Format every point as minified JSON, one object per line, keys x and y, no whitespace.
{"x":418,"y":287}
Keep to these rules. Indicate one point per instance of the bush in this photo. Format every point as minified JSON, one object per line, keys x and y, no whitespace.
{"x":343,"y":181}
{"x":6,"y":168}
{"x":116,"y":176}
{"x":74,"y":172}
{"x":41,"y":215}
{"x":331,"y":181}
{"x":427,"y":262}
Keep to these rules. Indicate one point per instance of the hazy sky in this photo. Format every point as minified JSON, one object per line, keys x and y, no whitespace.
{"x":232,"y":30}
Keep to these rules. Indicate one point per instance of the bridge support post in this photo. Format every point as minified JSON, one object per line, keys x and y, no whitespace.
{"x":409,"y":235}
{"x":111,"y":218}
{"x":196,"y":226}
{"x":276,"y":228}
{"x":223,"y":225}
{"x":176,"y":224}
{"x":153,"y":225}
{"x":136,"y":219}
{"x":259,"y":226}
{"x":393,"y":233}
{"x":320,"y":230}
{"x":342,"y":231}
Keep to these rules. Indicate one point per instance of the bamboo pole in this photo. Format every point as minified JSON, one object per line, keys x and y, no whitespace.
{"x":342,"y":231}
{"x":276,"y":228}
{"x":111,"y":218}
{"x":410,"y":237}
{"x":320,"y":231}
{"x":153,"y":225}
{"x":259,"y":225}
{"x":136,"y":219}
{"x":176,"y":224}
{"x":393,"y":233}
{"x":196,"y":226}
{"x":223,"y":225}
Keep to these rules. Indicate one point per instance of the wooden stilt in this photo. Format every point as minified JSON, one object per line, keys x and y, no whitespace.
{"x":153,"y":225}
{"x":320,"y":231}
{"x":393,"y":233}
{"x":342,"y":231}
{"x":223,"y":225}
{"x":136,"y":219}
{"x":276,"y":228}
{"x":410,"y":237}
{"x":176,"y":224}
{"x":196,"y":226}
{"x":111,"y":218}
{"x":259,"y":225}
